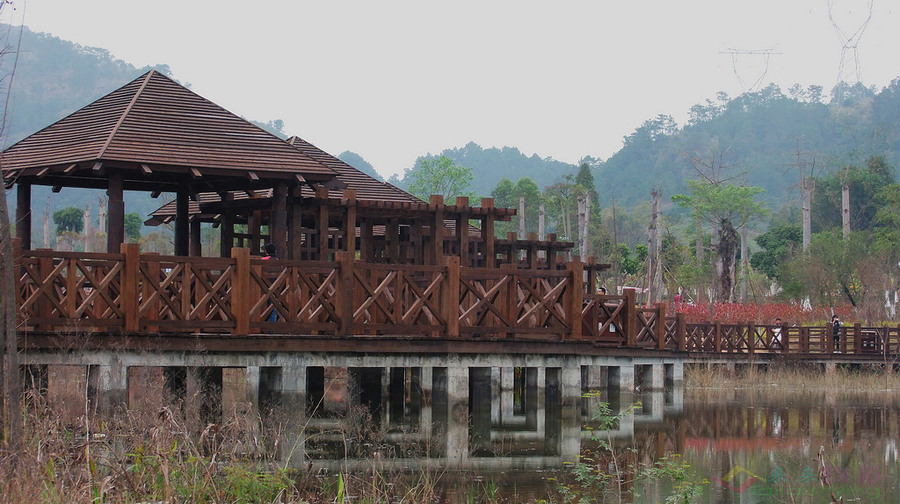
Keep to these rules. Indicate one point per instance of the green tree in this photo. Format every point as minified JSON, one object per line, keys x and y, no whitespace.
{"x":504,"y":193}
{"x":779,"y":244}
{"x":864,"y":185}
{"x":69,"y":220}
{"x":728,"y":208}
{"x":133,"y":226}
{"x":440,"y":175}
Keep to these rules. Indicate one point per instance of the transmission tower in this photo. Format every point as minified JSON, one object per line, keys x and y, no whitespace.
{"x":850,"y":41}
{"x":763,"y":54}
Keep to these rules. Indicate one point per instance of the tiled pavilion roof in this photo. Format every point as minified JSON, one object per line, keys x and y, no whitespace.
{"x":157,"y":131}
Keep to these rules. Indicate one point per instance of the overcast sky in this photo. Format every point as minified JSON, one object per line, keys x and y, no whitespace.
{"x":395,"y":80}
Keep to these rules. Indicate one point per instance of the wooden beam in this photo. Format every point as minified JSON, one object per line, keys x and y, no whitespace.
{"x":195,"y":173}
{"x":252,"y":176}
{"x":43,"y":172}
{"x":71,"y":169}
{"x":146,"y":171}
{"x":97,"y":167}
{"x":57,"y":188}
{"x":155,"y":194}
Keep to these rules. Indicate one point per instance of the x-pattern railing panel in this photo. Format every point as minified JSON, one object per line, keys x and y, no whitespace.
{"x":398,"y":298}
{"x":301,"y":293}
{"x":70,"y":289}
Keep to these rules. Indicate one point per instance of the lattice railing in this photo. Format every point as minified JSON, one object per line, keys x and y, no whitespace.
{"x":69,"y":291}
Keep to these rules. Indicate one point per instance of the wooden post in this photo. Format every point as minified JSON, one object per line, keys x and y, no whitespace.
{"x":23,"y":215}
{"x":857,"y":338}
{"x":153,"y":271}
{"x":350,"y":221}
{"x":681,"y":331}
{"x":240,"y":288}
{"x":487,"y":234}
{"x":717,"y":337}
{"x":322,"y":196}
{"x":226,"y":238}
{"x":450,"y":296}
{"x":345,"y":292}
{"x":660,"y":326}
{"x":437,"y":227}
{"x":574,"y":298}
{"x":43,"y":305}
{"x":629,"y":318}
{"x":462,"y":229}
{"x":751,"y":338}
{"x":804,"y":340}
{"x":510,"y":295}
{"x":278,"y":219}
{"x":196,"y":246}
{"x":116,"y":205}
{"x":131,"y":271}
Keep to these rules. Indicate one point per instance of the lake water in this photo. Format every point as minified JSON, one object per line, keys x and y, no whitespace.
{"x":748,"y":447}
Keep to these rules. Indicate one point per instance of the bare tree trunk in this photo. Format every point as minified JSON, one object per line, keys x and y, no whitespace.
{"x":521,"y":217}
{"x":579,"y":224}
{"x":745,"y":265}
{"x":653,"y":257}
{"x":585,"y":235}
{"x":542,"y":235}
{"x":845,"y":209}
{"x":727,"y":248}
{"x":11,"y":411}
{"x":806,"y":187}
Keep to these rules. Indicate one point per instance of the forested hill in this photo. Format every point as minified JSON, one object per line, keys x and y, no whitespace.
{"x":54,"y":78}
{"x":491,"y":165}
{"x":764,"y":134}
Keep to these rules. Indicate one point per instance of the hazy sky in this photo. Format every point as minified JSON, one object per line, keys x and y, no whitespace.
{"x":394,"y":80}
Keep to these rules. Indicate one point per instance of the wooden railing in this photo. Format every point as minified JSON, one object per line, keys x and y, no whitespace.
{"x":130,"y":292}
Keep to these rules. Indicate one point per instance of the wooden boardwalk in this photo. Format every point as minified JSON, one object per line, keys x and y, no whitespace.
{"x":99,"y":298}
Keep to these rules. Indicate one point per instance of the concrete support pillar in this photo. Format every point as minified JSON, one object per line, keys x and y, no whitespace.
{"x":439,"y":410}
{"x":621,"y":378}
{"x":595,"y":378}
{"x":653,"y":377}
{"x":507,"y":394}
{"x":414,"y":409}
{"x":552,"y":411}
{"x":674,"y":374}
{"x":426,"y":383}
{"x":496,"y":393}
{"x":293,"y":408}
{"x":532,"y":398}
{"x":396,"y":394}
{"x":570,"y":434}
{"x":253,"y":389}
{"x":108,"y":387}
{"x":480,"y":400}
{"x":457,"y":447}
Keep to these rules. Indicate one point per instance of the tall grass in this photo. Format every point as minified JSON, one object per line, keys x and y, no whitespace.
{"x":795,"y":377}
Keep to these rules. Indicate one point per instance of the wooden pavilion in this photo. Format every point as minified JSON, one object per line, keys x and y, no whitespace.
{"x":155,"y":135}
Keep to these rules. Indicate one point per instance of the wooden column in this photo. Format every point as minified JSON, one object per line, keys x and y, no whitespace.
{"x":436,"y":204}
{"x":182,"y":207}
{"x":130,"y":285}
{"x":366,"y":240}
{"x":226,"y":239}
{"x":254,"y":226}
{"x":573,"y":299}
{"x":196,"y":246}
{"x":350,"y":221}
{"x":322,"y":196}
{"x":240,"y":284}
{"x":116,"y":204}
{"x":278,"y":219}
{"x":462,"y":229}
{"x":487,"y":234}
{"x":23,"y":215}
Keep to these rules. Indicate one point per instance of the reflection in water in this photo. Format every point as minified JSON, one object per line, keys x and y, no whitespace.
{"x":752,"y":447}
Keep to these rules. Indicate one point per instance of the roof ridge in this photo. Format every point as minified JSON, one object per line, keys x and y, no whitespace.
{"x":125,"y":114}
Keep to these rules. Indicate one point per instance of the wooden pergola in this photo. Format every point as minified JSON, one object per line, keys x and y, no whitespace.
{"x":155,"y":135}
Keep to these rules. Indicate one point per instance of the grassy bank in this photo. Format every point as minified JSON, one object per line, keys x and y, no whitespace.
{"x":794,"y":377}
